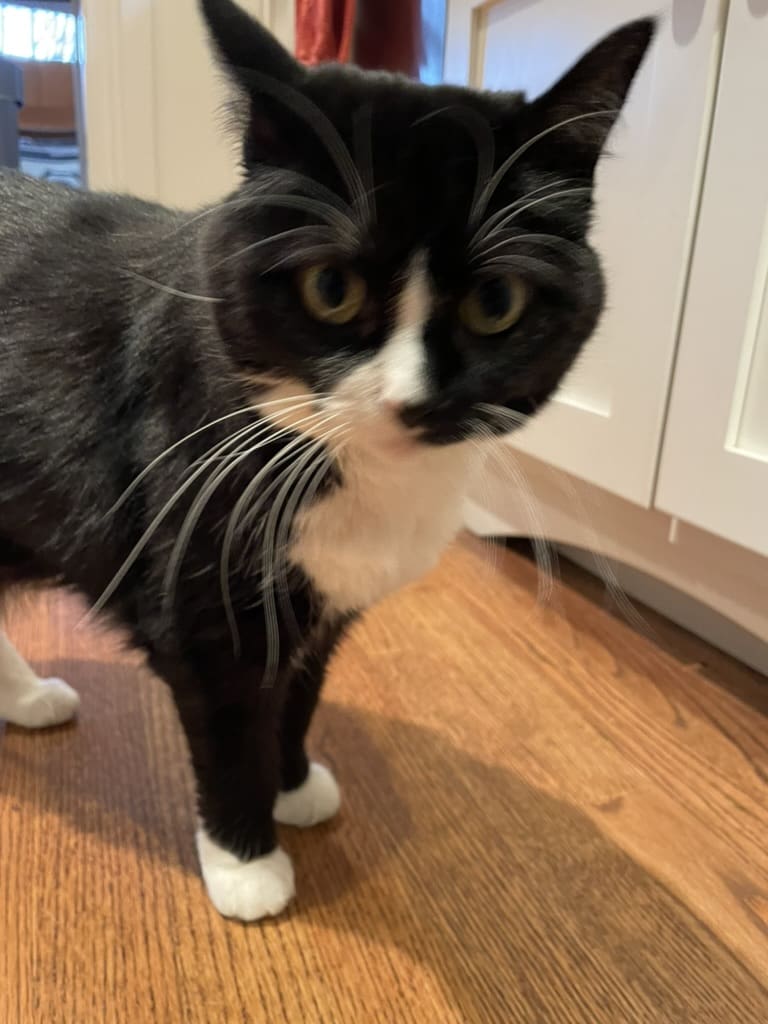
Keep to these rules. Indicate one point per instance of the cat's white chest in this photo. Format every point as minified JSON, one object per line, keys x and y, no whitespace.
{"x":384,"y":527}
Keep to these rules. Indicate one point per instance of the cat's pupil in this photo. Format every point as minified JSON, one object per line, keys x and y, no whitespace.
{"x":494,"y":296}
{"x":332,"y":286}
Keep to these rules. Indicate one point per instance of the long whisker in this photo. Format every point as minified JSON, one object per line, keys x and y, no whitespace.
{"x":306,"y":232}
{"x":245,"y":410}
{"x":206,"y":492}
{"x":158,"y":519}
{"x":584,"y":190}
{"x":547,"y":560}
{"x":490,"y":222}
{"x":270,"y":606}
{"x":604,"y":568}
{"x":506,"y":417}
{"x":234,"y":522}
{"x":278,"y":526}
{"x":541,"y":269}
{"x":502,"y":171}
{"x":508,"y":241}
{"x":168,"y":289}
{"x":330,"y":214}
{"x":320,"y":126}
{"x":474,"y":427}
{"x":307,"y":254}
{"x":312,"y":476}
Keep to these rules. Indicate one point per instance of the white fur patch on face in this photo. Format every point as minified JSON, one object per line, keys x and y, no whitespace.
{"x":404,"y":358}
{"x":400,"y":501}
{"x":374,"y":390}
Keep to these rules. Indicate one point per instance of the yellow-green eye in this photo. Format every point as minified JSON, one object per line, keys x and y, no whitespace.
{"x":494,"y":304}
{"x":331,"y":293}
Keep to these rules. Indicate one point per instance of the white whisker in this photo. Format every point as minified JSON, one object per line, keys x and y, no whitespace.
{"x":206,"y":492}
{"x":168,"y":289}
{"x":233,"y":523}
{"x":306,"y":232}
{"x":546,"y":557}
{"x":502,"y":171}
{"x":488,"y":224}
{"x":518,"y":209}
{"x":245,"y":410}
{"x":323,"y":128}
{"x":156,"y":522}
{"x":268,"y":591}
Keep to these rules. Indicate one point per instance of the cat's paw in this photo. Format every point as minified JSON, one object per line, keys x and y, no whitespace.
{"x":51,"y":702}
{"x":317,"y":799}
{"x":246,"y":890}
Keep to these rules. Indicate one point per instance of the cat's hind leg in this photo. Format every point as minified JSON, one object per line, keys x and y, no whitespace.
{"x":27,"y":700}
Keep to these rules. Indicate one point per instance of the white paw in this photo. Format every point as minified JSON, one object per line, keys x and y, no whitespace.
{"x":317,"y":799}
{"x":51,"y":702}
{"x":247,"y":890}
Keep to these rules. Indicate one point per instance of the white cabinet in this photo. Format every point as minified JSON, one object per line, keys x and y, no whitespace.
{"x":714,"y":468}
{"x":668,"y":414}
{"x":606,"y":424}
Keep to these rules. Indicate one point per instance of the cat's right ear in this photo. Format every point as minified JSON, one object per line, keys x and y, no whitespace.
{"x":265,"y":75}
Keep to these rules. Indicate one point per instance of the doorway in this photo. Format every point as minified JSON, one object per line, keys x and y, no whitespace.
{"x":41,"y":39}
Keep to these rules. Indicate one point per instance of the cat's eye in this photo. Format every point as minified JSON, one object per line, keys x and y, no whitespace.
{"x":331,"y":293}
{"x":494,"y":304}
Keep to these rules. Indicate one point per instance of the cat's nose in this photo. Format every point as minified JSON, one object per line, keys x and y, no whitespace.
{"x":412,"y":415}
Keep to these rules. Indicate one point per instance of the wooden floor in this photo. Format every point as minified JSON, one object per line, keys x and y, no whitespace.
{"x":549,"y":817}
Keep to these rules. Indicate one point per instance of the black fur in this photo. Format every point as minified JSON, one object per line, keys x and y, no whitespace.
{"x":101,"y":371}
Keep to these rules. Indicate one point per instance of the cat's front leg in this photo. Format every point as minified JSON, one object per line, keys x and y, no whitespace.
{"x":232,"y":727}
{"x":28,"y":701}
{"x":309,"y":792}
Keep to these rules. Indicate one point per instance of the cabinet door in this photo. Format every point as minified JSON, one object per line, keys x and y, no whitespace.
{"x":605,"y":425}
{"x":714,"y":469}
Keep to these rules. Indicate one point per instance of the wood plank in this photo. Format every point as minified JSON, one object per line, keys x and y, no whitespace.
{"x":548,"y":817}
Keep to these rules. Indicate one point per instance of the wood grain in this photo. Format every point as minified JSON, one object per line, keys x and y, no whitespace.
{"x":549,"y":817}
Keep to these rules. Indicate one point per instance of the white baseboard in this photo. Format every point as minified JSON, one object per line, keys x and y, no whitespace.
{"x":716,"y":589}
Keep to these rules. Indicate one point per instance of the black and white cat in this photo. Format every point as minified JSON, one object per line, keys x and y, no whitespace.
{"x":234,"y":431}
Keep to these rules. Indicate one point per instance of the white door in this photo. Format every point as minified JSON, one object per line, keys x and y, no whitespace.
{"x":605,"y":426}
{"x":154,"y":98}
{"x":714,"y":469}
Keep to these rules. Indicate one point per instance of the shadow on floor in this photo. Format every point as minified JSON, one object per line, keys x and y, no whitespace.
{"x":516,"y":903}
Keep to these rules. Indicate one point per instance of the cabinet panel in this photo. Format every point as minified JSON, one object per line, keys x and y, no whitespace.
{"x":606,"y":422}
{"x":714,"y":470}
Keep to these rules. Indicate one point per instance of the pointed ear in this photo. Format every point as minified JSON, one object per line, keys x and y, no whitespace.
{"x":580,"y":110}
{"x":262,"y":71}
{"x":244,"y":45}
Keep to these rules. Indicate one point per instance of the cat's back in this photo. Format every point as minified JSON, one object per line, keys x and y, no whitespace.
{"x":38,"y":218}
{"x":27,"y":203}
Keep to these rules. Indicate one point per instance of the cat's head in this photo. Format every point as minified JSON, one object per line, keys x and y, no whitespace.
{"x":419,"y":252}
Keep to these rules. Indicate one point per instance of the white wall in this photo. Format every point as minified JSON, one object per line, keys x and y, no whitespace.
{"x":153,"y":99}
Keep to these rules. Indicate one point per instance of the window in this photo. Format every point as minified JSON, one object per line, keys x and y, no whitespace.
{"x":33,"y":33}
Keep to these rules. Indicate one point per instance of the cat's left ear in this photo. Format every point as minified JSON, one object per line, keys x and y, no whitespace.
{"x":266,"y":76}
{"x":580,"y":110}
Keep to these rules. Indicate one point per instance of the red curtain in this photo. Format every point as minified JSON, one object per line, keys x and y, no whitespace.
{"x":388,"y":35}
{"x":376,"y":34}
{"x":324,"y":30}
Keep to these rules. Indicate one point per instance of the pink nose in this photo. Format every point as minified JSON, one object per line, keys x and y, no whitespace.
{"x":393,"y":405}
